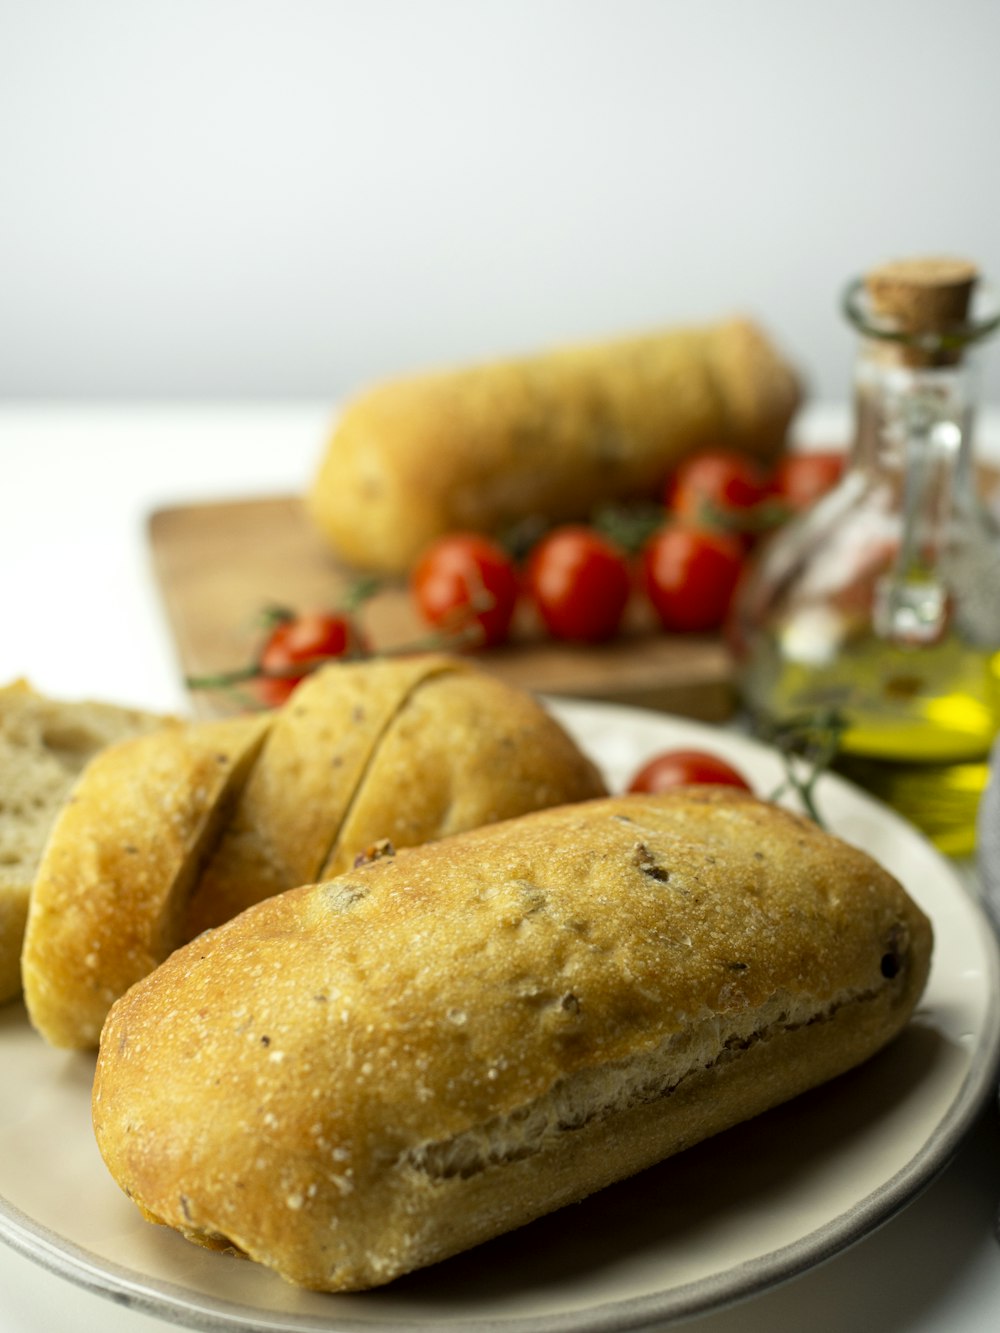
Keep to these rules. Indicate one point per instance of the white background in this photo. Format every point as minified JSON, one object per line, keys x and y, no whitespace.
{"x":261,"y":198}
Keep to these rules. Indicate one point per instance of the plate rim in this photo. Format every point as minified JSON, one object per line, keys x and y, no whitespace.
{"x":180,"y":1306}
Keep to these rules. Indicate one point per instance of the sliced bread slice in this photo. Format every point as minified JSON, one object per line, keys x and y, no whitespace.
{"x":44,"y":745}
{"x":107,"y":904}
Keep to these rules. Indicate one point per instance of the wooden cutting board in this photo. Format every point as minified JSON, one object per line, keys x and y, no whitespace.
{"x":220,"y":564}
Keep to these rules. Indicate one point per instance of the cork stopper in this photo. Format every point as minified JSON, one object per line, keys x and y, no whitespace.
{"x":923,"y":297}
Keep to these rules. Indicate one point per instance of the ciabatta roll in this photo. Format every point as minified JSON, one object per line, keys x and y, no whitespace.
{"x":362,"y":1077}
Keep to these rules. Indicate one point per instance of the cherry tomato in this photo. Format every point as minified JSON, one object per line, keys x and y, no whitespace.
{"x":302,"y":641}
{"x":689,"y":575}
{"x":580,"y":582}
{"x":684,"y":768}
{"x":466,"y":584}
{"x":800,"y":479}
{"x":718,"y":488}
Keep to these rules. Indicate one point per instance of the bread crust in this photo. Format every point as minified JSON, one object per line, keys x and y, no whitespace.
{"x":551,"y":436}
{"x":362,"y":1077}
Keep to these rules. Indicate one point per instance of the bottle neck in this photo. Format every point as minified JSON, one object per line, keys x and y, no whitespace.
{"x":913,"y":445}
{"x":920,"y":416}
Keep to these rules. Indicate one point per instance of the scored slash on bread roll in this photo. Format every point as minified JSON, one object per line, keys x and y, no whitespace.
{"x":551,"y":436}
{"x":291,"y":810}
{"x":444,"y":766}
{"x":168,"y":837}
{"x":114,"y":880}
{"x":44,"y":745}
{"x":362,"y":1077}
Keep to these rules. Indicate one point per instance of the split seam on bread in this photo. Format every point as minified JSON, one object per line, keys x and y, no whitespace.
{"x":439,"y":668}
{"x":590,"y":1094}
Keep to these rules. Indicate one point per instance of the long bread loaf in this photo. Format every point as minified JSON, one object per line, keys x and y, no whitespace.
{"x":551,"y":436}
{"x":178,"y":831}
{"x":362,"y":1077}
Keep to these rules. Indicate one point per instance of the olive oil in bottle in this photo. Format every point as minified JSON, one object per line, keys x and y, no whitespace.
{"x":882,"y":603}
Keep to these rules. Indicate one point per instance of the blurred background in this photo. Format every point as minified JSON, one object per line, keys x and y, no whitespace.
{"x":247,"y":199}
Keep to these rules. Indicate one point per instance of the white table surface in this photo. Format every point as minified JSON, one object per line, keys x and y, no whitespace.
{"x":81,"y":617}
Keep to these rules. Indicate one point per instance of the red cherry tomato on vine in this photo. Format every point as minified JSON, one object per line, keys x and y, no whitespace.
{"x":800,"y":479}
{"x":718,"y":488}
{"x":684,"y":768}
{"x":465,"y":583}
{"x":580,"y":583}
{"x":689,"y":575}
{"x":297,"y":645}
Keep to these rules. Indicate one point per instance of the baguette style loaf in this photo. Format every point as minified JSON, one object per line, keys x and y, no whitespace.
{"x":177,"y":832}
{"x":365,"y":1076}
{"x":551,"y":436}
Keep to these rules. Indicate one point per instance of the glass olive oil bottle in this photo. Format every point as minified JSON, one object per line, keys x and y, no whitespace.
{"x":882,"y":603}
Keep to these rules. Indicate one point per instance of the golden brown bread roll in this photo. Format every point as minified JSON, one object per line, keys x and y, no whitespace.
{"x":179,"y":831}
{"x":362,"y":1077}
{"x":553,"y":435}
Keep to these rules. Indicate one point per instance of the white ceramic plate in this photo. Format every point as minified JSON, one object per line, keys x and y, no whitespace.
{"x":730,"y":1217}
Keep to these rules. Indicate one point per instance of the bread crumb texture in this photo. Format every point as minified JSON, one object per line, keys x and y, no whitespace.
{"x":364,"y":1076}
